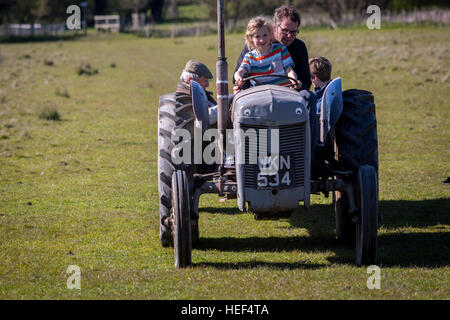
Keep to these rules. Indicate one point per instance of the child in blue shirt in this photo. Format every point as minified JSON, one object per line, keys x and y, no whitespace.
{"x":320,"y":69}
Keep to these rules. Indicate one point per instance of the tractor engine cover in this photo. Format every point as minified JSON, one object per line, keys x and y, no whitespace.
{"x":272,"y":149}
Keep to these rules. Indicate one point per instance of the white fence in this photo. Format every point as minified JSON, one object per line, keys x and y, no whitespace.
{"x":178,"y":30}
{"x":108,"y":23}
{"x":37,"y":29}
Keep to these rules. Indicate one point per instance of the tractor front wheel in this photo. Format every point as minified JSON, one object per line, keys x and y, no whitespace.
{"x":367,"y":224}
{"x":181,"y":220}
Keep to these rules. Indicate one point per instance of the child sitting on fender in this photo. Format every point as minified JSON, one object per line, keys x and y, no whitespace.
{"x":266,"y":58}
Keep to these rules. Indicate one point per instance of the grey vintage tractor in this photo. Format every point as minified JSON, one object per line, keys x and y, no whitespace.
{"x":271,"y":152}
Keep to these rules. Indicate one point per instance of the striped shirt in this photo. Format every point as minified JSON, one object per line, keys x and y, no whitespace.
{"x":275,"y":62}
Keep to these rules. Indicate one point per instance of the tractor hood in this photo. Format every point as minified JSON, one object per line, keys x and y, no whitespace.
{"x":269,"y":105}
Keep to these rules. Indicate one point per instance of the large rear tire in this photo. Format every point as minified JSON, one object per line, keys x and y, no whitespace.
{"x":356,"y":144}
{"x":367,"y":226}
{"x":174,"y":112}
{"x":356,"y":131}
{"x":182,"y":220}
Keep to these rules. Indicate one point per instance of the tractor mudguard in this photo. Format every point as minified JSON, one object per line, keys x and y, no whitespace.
{"x":331,"y":107}
{"x":200,"y":104}
{"x":310,"y":99}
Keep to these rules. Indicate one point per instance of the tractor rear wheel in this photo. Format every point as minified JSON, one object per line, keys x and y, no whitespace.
{"x":356,"y":144}
{"x":174,"y":112}
{"x":356,"y":131}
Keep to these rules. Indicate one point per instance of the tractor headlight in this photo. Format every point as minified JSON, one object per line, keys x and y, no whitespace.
{"x":247,"y":112}
{"x":298,"y":111}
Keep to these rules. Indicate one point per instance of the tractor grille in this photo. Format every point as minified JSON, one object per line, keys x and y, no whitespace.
{"x":292,"y":142}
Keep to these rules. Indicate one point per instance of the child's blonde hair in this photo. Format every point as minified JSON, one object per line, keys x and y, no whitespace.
{"x":254,"y":25}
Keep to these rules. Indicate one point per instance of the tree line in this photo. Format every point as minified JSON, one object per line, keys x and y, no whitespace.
{"x":157,"y":11}
{"x":32,"y":11}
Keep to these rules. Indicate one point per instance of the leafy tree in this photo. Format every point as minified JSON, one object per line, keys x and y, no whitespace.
{"x":24,"y":11}
{"x":134,"y":5}
{"x":155,"y":7}
{"x":5,"y":8}
{"x":236,"y":10}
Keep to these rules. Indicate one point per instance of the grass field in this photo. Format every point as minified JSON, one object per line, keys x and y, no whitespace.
{"x":83,"y":190}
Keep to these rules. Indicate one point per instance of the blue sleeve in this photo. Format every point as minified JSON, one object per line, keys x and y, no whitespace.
{"x":245,"y":64}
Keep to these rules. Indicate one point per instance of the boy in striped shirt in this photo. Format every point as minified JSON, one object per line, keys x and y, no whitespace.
{"x":266,"y":58}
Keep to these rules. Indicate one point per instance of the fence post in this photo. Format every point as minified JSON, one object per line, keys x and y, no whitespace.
{"x":333,"y":24}
{"x":197,"y":31}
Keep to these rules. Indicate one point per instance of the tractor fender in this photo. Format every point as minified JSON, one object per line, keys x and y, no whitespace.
{"x":332,"y":97}
{"x":200,"y":105}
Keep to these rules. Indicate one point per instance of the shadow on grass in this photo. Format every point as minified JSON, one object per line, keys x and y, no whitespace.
{"x":344,"y":255}
{"x":268,"y":244}
{"x":227,"y":211}
{"x":416,"y":214}
{"x":421,"y":249}
{"x":260,"y":264}
{"x":397,"y":214}
{"x":395,"y":247}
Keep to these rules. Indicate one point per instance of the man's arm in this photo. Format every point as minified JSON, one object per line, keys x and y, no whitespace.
{"x":305,"y":75}
{"x":299,"y":54}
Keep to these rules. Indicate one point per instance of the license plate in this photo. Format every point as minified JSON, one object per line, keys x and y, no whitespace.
{"x":273,"y":175}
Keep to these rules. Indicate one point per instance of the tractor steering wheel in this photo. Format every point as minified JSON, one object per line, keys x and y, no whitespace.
{"x":271,"y":75}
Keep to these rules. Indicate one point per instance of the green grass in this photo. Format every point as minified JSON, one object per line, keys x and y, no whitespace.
{"x":83,"y":190}
{"x":194,"y":12}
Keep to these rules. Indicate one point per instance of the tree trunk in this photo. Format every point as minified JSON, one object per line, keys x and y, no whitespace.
{"x":156,"y":6}
{"x":172,"y":10}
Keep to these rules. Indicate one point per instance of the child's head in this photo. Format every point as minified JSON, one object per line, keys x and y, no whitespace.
{"x":320,"y":69}
{"x":258,"y":25}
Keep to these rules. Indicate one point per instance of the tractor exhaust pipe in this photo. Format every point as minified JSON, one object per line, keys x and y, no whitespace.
{"x":222,"y":79}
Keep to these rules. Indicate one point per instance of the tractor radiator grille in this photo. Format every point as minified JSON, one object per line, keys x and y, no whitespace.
{"x":292,"y":142}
